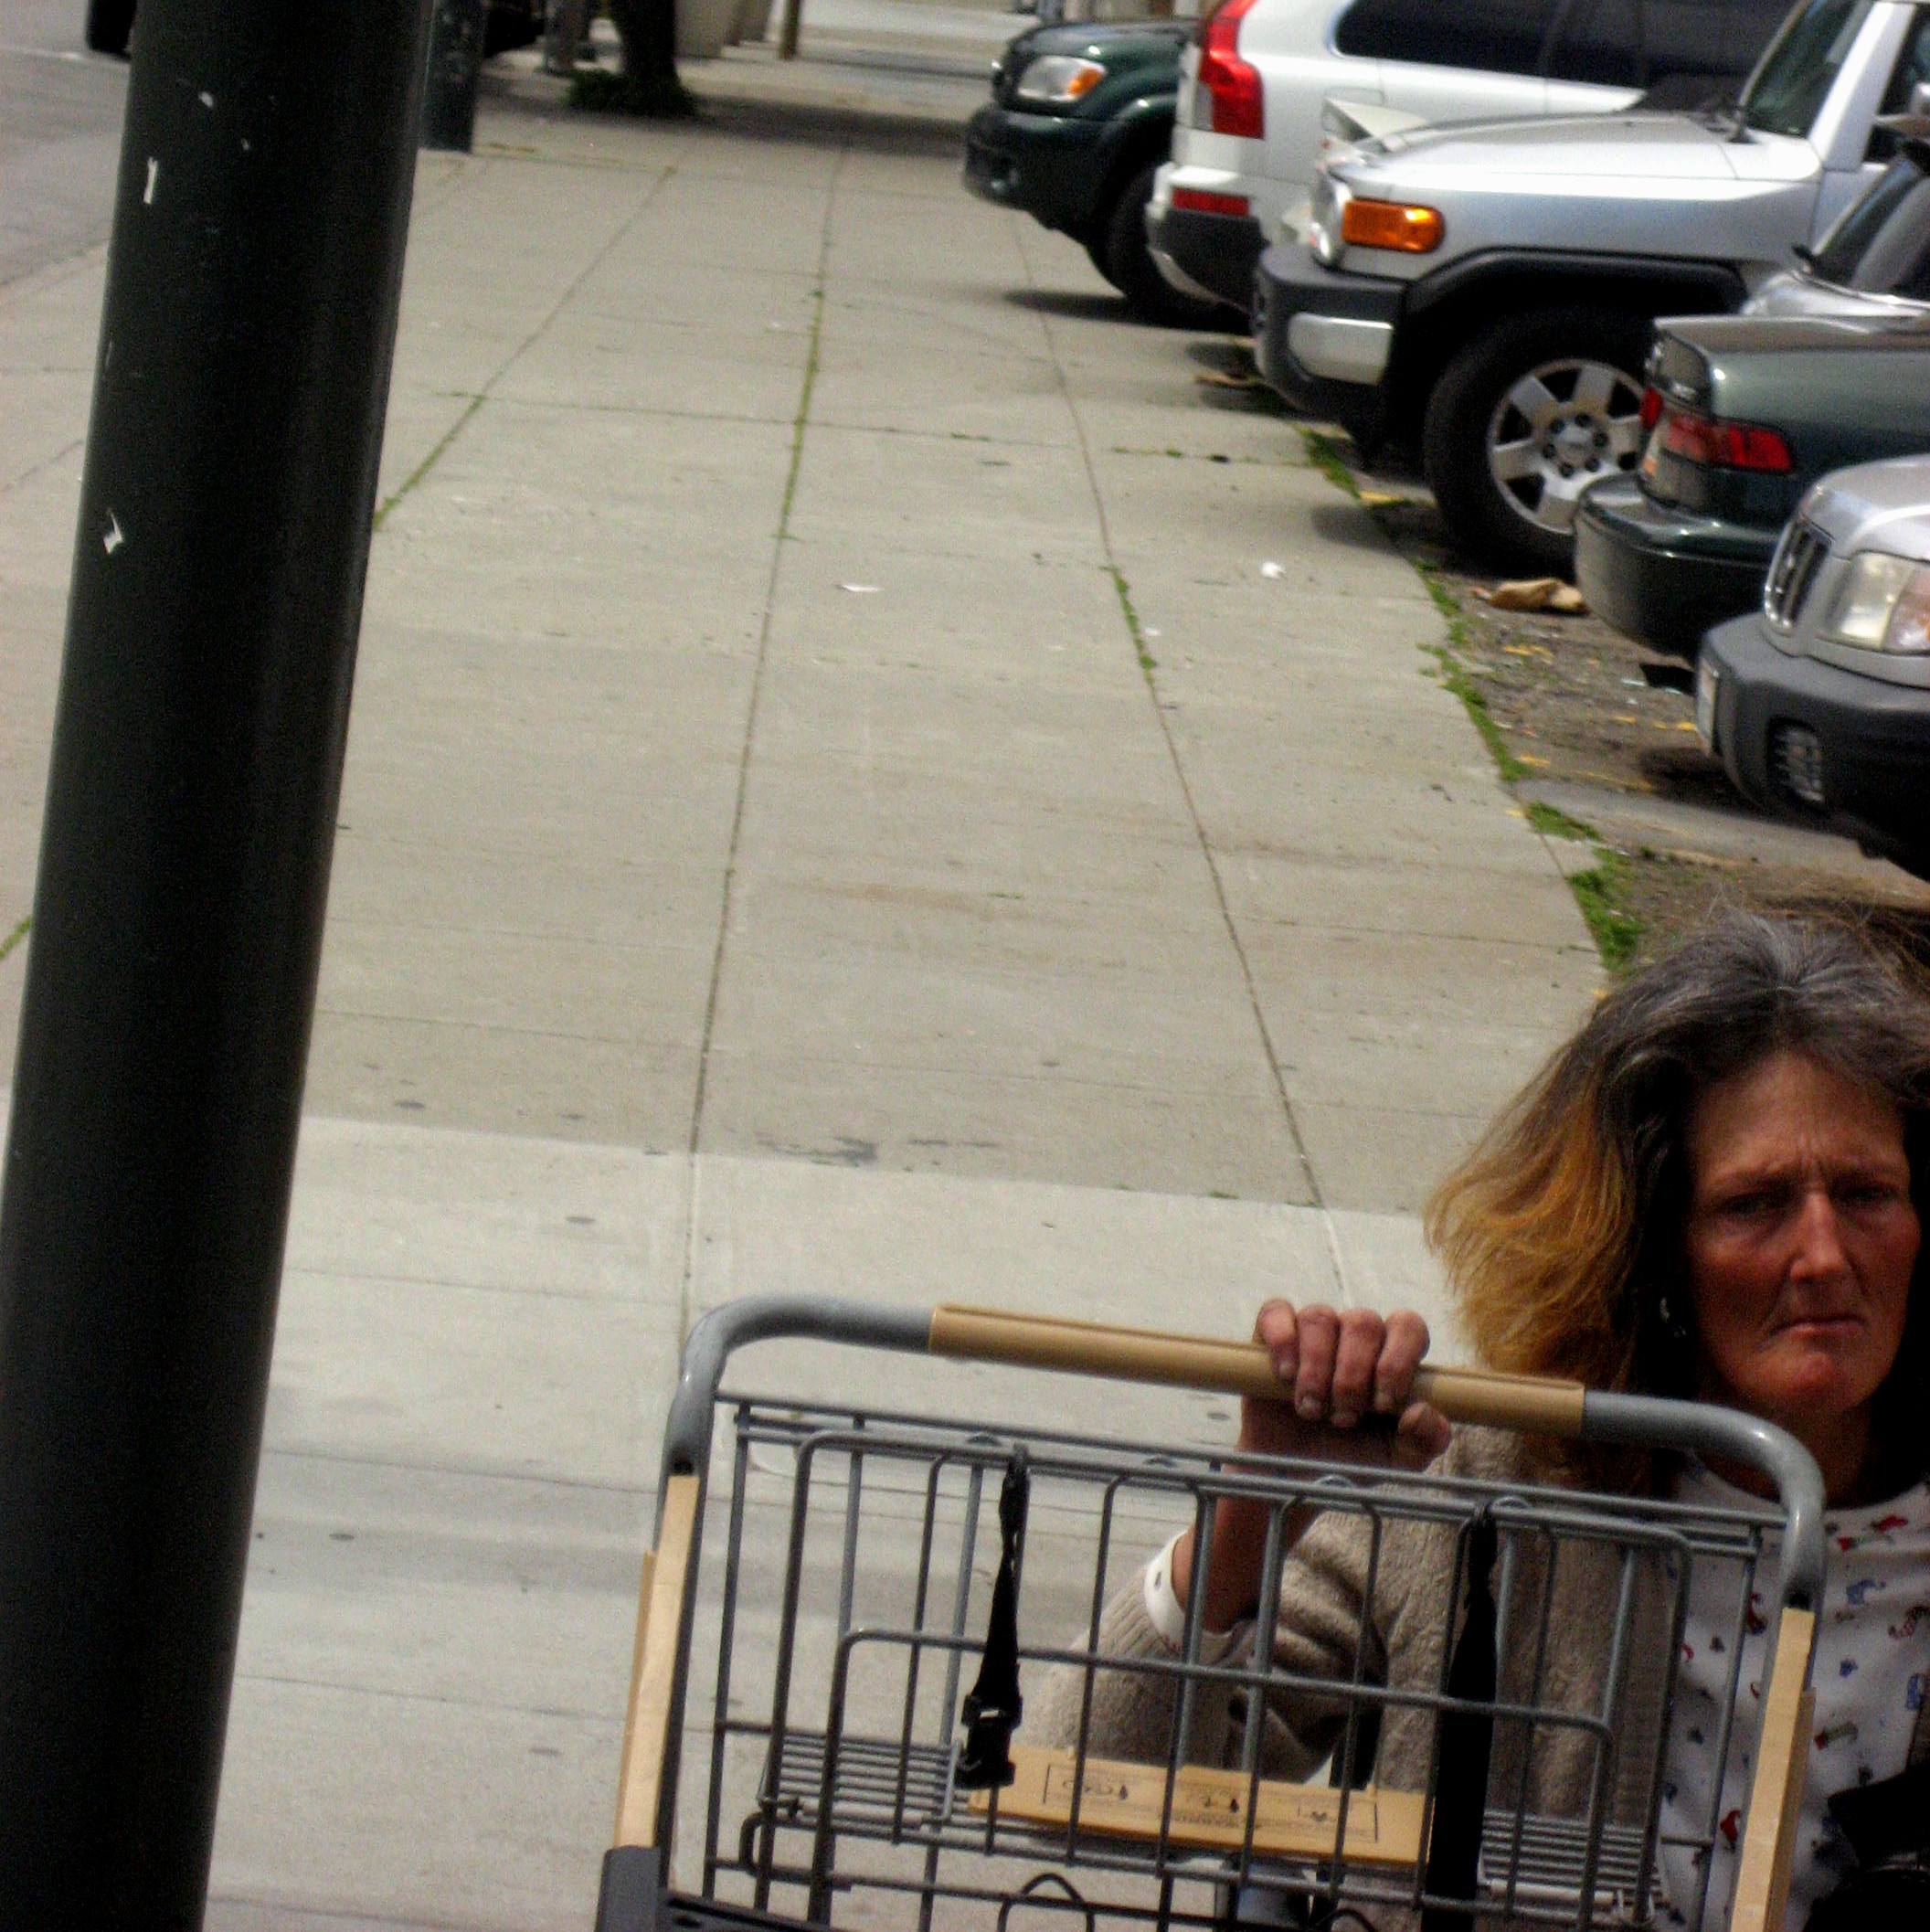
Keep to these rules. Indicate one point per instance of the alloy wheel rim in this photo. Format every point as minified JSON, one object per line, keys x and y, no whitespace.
{"x":1561,"y":426}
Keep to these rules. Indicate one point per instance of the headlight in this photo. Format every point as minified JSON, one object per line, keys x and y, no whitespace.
{"x":1324,"y":219}
{"x":1059,"y":78}
{"x":1883,"y":604}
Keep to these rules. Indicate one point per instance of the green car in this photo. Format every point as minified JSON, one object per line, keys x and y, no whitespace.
{"x":1744,"y":412}
{"x":1079,"y":117}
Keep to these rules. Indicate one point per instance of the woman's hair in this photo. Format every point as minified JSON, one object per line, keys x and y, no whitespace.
{"x":1561,"y":1232}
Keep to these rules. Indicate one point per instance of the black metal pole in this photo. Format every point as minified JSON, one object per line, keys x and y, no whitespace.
{"x":455,"y":71}
{"x":266,"y":171}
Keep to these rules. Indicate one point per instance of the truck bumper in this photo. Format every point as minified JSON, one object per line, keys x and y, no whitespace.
{"x":1204,"y":253}
{"x":1660,"y":575}
{"x":1785,"y":725}
{"x":1325,"y":339}
{"x":1042,"y":164}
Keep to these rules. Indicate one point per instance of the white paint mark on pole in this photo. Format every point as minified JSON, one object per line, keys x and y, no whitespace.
{"x":154,"y":175}
{"x":114,"y":539}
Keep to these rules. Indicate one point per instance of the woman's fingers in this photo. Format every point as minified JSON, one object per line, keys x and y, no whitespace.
{"x":1355,"y":1365}
{"x":1421,"y":1435}
{"x":1334,"y":1369}
{"x":1319,"y":1340}
{"x":1400,"y":1353}
{"x":1278,"y":1329}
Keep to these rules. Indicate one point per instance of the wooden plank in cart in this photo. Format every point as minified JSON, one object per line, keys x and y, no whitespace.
{"x":1209,"y":1808}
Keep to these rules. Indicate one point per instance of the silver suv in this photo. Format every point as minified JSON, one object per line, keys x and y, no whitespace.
{"x":1488,"y":291}
{"x":1819,"y":703}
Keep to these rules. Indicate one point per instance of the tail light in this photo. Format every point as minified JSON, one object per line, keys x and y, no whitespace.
{"x":1651,"y":407}
{"x":1722,"y":445}
{"x":1239,"y":105}
{"x":1201,"y":202}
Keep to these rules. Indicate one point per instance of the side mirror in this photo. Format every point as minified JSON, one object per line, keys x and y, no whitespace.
{"x":1919,"y":108}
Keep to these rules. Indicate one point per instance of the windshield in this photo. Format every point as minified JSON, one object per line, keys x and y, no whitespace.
{"x":1895,"y":193}
{"x":1800,"y":66}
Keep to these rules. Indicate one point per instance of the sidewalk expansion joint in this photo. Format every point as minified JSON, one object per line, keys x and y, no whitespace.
{"x":642,"y":1490}
{"x":42,"y":466}
{"x":529,"y":342}
{"x":800,"y":424}
{"x":1148,"y":667}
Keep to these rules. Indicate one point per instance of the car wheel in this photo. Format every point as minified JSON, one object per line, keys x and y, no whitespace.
{"x":109,"y":24}
{"x":1096,"y":244}
{"x":1130,"y":269}
{"x":1523,"y":420}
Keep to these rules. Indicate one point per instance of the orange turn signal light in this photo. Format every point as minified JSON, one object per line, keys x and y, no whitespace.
{"x":1389,"y":225}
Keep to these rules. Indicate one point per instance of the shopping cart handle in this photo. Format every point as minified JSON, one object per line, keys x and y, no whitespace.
{"x":1532,"y":1404}
{"x":1524,"y":1403}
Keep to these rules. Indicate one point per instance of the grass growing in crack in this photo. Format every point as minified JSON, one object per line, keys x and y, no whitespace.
{"x":1602,"y":892}
{"x":14,"y":937}
{"x":1475,"y":703}
{"x":1148,"y":663}
{"x":1324,"y":453}
{"x":1553,"y":823}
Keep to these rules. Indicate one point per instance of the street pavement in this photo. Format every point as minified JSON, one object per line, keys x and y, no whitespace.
{"x":865,"y":779}
{"x":59,"y":134}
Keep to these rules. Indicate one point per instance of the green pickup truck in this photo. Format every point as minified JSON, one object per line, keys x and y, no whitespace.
{"x":1079,"y":117}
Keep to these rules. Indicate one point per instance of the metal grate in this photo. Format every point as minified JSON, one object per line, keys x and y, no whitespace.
{"x":1795,"y":761}
{"x":881,"y":1791}
{"x":856,"y":1563}
{"x":1792,"y":574}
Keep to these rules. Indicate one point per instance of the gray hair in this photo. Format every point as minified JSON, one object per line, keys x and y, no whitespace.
{"x":1743,"y":990}
{"x":1561,"y":1232}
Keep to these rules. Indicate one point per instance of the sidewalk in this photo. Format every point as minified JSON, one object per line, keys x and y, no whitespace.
{"x":833,"y":803}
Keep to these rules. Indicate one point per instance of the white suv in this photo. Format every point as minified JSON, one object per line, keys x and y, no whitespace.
{"x":1255,"y":80}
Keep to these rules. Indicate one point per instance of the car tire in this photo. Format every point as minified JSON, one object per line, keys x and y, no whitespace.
{"x":1096,"y":252}
{"x":1130,"y":269}
{"x":110,"y":26}
{"x":1525,"y":416}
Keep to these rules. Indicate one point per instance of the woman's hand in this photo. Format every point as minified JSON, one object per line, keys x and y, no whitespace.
{"x":1335,"y":1370}
{"x":1338,"y":1369}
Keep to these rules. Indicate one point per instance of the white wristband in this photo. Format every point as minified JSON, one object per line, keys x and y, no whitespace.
{"x":1167,"y":1614}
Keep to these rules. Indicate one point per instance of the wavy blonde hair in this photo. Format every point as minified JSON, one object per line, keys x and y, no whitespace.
{"x":1560,"y":1234}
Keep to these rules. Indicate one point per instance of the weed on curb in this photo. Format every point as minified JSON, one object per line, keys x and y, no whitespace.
{"x":1602,"y":891}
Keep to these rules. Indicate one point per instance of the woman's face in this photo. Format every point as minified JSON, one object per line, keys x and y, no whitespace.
{"x":1802,"y":1242}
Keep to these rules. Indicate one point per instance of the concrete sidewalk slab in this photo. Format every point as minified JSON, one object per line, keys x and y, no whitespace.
{"x":701,"y":927}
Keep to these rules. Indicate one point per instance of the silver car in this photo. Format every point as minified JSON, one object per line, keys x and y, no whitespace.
{"x":1818,"y":703}
{"x":1488,"y":291}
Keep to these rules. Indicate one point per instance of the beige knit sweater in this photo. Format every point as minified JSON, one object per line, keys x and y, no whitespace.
{"x":1404,"y":1628}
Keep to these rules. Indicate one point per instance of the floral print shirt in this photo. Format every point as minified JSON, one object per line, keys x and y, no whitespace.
{"x":1873,"y":1657}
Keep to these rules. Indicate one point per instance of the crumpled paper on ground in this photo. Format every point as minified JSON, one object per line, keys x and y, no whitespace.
{"x":1534,"y":593}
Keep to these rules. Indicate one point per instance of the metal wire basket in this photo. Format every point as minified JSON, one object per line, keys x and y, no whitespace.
{"x":850,"y":1666}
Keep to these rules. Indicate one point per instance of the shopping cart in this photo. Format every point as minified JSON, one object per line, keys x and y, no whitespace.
{"x":849,"y":1667}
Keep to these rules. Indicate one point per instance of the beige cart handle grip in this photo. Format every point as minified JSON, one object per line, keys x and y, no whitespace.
{"x":1531,"y":1403}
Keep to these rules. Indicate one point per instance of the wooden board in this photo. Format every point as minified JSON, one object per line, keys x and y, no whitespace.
{"x":660,"y":1615}
{"x":1782,"y":1757}
{"x":1209,"y":1808}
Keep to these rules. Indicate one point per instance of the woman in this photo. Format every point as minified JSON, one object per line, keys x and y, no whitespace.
{"x":1713,"y":1190}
